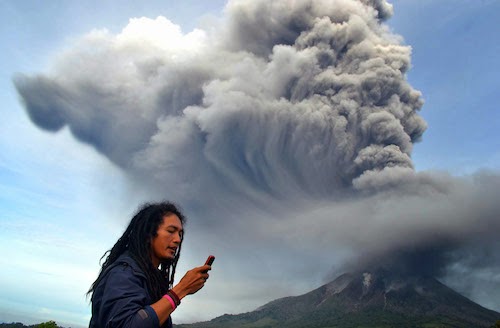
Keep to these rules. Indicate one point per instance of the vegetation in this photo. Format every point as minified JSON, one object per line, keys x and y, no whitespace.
{"x":496,"y":325}
{"x":366,"y":320}
{"x":369,"y":319}
{"x":48,"y":324}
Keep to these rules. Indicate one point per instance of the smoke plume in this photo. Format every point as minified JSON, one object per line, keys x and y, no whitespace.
{"x":291,"y":121}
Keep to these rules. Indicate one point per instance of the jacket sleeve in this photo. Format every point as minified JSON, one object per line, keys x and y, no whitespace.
{"x":124,"y":301}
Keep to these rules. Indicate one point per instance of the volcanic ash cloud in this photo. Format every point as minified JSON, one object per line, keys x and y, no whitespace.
{"x":309,"y":97}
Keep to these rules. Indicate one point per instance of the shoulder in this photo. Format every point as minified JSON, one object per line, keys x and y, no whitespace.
{"x":121,"y":295}
{"x":123,"y":273}
{"x":122,"y":279}
{"x":125,"y":267}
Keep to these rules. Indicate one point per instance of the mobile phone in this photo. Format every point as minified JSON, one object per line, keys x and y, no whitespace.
{"x":210,"y":260}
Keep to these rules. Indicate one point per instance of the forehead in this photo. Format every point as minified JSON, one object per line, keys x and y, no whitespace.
{"x":172,"y":220}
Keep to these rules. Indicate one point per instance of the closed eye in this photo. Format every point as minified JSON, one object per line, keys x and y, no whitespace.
{"x":173,"y":229}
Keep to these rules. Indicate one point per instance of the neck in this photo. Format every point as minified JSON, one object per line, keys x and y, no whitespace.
{"x":155,"y":261}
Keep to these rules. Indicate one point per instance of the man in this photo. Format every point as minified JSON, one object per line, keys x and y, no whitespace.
{"x":135,"y":285}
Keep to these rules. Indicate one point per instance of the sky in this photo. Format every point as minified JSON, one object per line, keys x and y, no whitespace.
{"x":110,"y":104}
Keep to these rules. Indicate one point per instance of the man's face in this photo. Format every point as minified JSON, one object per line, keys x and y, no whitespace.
{"x":168,"y":238}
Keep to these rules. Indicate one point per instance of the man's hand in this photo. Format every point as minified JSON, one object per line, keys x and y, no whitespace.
{"x":193,"y":281}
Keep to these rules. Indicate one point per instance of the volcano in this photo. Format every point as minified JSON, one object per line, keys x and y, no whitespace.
{"x":366,"y":299}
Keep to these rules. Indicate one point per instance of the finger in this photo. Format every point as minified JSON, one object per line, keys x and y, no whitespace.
{"x":205,"y":268}
{"x":204,"y":276}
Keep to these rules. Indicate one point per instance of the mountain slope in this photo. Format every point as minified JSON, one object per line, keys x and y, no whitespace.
{"x":378,"y":299}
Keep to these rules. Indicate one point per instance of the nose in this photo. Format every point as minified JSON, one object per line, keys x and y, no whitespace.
{"x":177,"y":238}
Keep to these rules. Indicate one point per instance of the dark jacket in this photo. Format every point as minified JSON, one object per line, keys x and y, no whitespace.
{"x":121,"y":299}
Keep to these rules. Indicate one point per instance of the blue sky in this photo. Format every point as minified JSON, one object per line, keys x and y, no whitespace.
{"x":454,"y":50}
{"x":62,"y":203}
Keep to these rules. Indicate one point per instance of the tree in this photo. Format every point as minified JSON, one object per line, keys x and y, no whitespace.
{"x":48,"y":324}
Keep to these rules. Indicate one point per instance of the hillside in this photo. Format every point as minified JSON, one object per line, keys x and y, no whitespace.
{"x":367,"y":299}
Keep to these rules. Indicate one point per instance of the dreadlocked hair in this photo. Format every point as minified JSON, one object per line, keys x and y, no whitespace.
{"x":137,"y":240}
